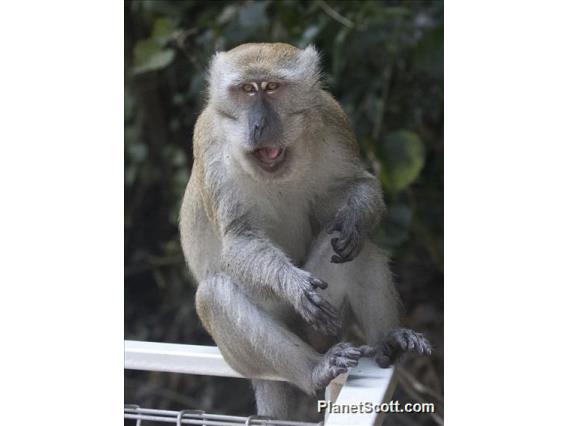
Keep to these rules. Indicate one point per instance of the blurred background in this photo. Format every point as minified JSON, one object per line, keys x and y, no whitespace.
{"x":383,"y":61}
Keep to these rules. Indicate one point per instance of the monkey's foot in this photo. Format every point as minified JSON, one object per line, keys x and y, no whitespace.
{"x":336,"y":361}
{"x":397,"y":343}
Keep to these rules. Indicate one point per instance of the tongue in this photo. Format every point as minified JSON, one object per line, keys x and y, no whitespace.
{"x":269,"y":153}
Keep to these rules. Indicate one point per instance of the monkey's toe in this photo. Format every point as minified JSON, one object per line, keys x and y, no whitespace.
{"x":399,"y":342}
{"x":337,"y":360}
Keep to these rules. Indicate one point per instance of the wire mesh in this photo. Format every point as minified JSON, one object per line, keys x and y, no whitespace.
{"x":149,"y":416}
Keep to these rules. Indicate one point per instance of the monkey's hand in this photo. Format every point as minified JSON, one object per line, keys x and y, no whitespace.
{"x":312,"y":307}
{"x":351,"y":236}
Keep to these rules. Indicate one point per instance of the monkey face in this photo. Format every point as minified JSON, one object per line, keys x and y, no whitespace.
{"x":264,"y":94}
{"x":265,"y":141}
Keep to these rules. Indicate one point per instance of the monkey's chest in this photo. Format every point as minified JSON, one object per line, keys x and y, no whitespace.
{"x":286,"y":221}
{"x":293,"y":237}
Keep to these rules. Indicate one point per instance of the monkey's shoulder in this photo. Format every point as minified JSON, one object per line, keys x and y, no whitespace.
{"x":203,"y":133}
{"x":336,"y":121}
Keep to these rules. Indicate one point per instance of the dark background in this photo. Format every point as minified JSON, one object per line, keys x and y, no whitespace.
{"x":383,"y":61}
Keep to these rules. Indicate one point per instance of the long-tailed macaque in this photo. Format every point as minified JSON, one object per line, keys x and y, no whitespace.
{"x":275,"y":224}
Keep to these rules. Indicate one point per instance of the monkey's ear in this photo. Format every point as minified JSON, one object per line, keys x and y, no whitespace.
{"x":221,"y":73}
{"x":217,"y":64}
{"x":311,"y":57}
{"x":309,"y":64}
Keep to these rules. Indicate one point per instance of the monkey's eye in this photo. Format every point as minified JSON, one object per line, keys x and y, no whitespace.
{"x":272,"y":86}
{"x":248,"y":88}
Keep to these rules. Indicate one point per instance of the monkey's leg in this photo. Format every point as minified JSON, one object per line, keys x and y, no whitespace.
{"x":366,"y":283}
{"x":255,"y":343}
{"x":281,"y":400}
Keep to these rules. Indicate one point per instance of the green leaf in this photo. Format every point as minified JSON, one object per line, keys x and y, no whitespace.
{"x":162,"y":30}
{"x":228,"y":14}
{"x":149,"y":56}
{"x":402,"y":155}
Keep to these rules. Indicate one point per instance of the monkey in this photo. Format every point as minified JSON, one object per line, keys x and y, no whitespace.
{"x":275,"y":228}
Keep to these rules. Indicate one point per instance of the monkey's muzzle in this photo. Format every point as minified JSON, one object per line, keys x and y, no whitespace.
{"x":269,"y":157}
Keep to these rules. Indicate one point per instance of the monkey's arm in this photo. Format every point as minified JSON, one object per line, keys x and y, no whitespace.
{"x":250,"y":257}
{"x":359,"y":210}
{"x":353,"y":202}
{"x":256,"y":262}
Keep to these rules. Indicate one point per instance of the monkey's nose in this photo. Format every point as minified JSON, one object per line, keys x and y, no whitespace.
{"x":257,"y":131}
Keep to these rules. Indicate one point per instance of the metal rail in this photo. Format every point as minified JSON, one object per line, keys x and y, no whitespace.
{"x":176,"y":358}
{"x":365,"y":384}
{"x":198,"y":417}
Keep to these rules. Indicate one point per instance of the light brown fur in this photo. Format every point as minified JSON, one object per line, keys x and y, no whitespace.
{"x":256,"y":241}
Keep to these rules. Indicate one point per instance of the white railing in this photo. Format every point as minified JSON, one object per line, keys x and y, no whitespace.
{"x":366,"y":383}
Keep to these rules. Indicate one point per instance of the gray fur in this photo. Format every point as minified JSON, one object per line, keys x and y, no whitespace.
{"x":270,"y":276}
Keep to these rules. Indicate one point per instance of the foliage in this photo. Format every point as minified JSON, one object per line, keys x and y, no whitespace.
{"x":383,"y":62}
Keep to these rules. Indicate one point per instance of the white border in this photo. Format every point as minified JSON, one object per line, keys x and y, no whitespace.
{"x":61,"y":235}
{"x":61,"y":169}
{"x":505,"y":212}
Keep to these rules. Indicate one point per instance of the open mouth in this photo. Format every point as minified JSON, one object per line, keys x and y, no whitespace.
{"x":269,"y":157}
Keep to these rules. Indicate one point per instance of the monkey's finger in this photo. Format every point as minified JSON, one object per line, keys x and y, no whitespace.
{"x":426,"y":346}
{"x":367,"y":351}
{"x":352,"y":354}
{"x":336,"y":259}
{"x":345,"y":362}
{"x":349,"y":243}
{"x":322,"y":317}
{"x":339,"y":244}
{"x":312,"y":318}
{"x":354,"y":247}
{"x":336,"y":371}
{"x":348,"y":251}
{"x":392,"y":349}
{"x":342,"y":345}
{"x":335,"y":225}
{"x":319,"y":302}
{"x":418,"y":342}
{"x":339,"y":259}
{"x":422,"y":345}
{"x":328,"y":324}
{"x":344,"y":245}
{"x":313,"y":297}
{"x":324,"y":305}
{"x":318,"y":283}
{"x":384,"y":361}
{"x":420,"y":349}
{"x":342,"y":256}
{"x":329,"y":314}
